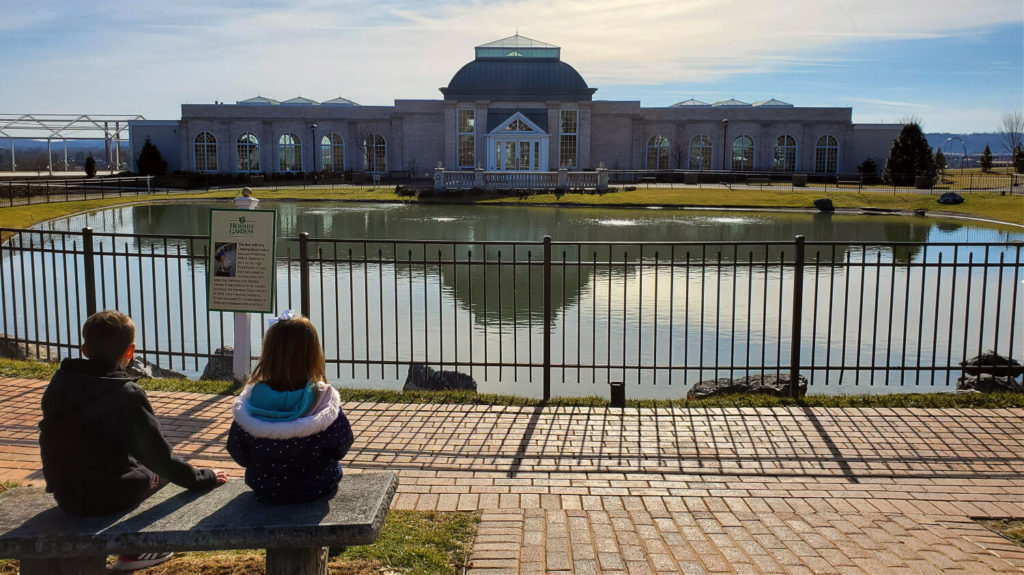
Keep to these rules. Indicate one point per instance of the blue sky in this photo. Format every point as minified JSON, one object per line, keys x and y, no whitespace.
{"x":957,"y":66}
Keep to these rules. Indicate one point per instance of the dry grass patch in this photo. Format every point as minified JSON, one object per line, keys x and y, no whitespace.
{"x":1012,"y":529}
{"x":410,"y":543}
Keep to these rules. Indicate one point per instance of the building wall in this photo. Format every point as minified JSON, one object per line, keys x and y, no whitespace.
{"x":421,"y":133}
{"x":164,"y":134}
{"x":872,"y":141}
{"x":763,"y":125}
{"x":611,"y":134}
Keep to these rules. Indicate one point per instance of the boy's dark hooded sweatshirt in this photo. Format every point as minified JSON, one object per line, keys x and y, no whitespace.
{"x":101,"y":443}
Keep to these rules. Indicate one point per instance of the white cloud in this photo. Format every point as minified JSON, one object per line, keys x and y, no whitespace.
{"x":148,"y":57}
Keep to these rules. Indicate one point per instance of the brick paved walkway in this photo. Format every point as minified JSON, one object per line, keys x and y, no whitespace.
{"x":589,"y":490}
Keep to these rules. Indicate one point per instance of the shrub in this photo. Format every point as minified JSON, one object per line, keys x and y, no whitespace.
{"x":150,"y":162}
{"x":909,"y":157}
{"x":986,"y":160}
{"x":90,"y":167}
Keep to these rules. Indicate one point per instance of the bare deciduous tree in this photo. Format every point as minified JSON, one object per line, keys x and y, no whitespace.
{"x":1013,"y":131}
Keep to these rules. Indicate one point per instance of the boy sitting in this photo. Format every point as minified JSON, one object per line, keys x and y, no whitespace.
{"x":101,"y":444}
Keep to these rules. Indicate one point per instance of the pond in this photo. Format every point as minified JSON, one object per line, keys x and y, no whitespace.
{"x":659,"y":298}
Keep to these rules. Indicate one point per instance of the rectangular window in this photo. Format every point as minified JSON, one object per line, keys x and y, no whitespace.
{"x":467,"y":138}
{"x":567,"y":138}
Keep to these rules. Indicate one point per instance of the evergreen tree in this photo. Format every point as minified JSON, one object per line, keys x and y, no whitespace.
{"x":151,"y":163}
{"x":986,"y":160}
{"x":909,"y":157}
{"x":940,"y":161}
{"x":1018,"y":159}
{"x":90,"y":166}
{"x":868,"y":168}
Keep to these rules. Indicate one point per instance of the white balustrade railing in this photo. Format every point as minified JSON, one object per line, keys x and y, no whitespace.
{"x":520,"y":180}
{"x":582,"y":179}
{"x":563,"y":179}
{"x":458,"y":180}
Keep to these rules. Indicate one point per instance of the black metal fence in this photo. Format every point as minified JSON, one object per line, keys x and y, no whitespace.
{"x":949,"y":180}
{"x":549,"y":318}
{"x":22,"y":192}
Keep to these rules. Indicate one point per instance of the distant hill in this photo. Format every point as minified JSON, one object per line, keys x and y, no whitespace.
{"x":975,"y":142}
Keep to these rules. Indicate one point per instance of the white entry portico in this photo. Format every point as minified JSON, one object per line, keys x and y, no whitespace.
{"x":517,"y":144}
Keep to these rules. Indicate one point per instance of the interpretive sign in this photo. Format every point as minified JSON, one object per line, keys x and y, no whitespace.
{"x":241,"y":267}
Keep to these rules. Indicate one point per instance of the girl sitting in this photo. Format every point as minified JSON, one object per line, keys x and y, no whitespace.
{"x":289,"y":432}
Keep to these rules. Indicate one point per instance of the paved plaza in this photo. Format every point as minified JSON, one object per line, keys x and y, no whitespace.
{"x":637,"y":491}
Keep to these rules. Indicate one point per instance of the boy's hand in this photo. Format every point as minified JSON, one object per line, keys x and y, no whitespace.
{"x":222,"y":476}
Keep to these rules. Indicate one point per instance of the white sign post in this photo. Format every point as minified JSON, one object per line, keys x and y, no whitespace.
{"x":241,"y":270}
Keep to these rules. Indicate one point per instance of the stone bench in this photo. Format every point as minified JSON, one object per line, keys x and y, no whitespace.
{"x":758,"y":180}
{"x":849,"y":181}
{"x":296,"y":537}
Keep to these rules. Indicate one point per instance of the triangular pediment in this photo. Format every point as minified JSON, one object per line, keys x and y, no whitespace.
{"x":517,"y":123}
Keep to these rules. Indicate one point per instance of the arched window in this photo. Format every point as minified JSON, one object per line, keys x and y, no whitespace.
{"x":657,"y":153}
{"x":700,"y":153}
{"x":826,"y":155}
{"x":206,"y":152}
{"x":785,"y":154}
{"x":248,"y":153}
{"x":332,"y":153}
{"x":375,"y":153}
{"x":289,"y":153}
{"x":742,"y":153}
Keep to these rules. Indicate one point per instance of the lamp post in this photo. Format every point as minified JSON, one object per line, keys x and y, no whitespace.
{"x":725,"y":143}
{"x":313,"y":148}
{"x":242,"y":358}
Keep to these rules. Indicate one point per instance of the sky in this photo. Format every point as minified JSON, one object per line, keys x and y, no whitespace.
{"x":956,"y":66}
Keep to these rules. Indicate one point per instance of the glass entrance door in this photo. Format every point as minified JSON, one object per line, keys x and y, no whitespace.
{"x":517,"y":155}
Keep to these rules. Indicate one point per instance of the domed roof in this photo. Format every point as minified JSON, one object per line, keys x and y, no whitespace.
{"x":525,"y":70}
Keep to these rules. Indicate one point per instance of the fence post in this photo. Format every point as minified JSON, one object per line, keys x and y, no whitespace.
{"x":304,"y":273}
{"x":547,"y":318}
{"x":90,"y":272}
{"x":798,"y":308}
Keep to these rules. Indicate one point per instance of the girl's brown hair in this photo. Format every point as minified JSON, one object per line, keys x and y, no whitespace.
{"x":291,"y":356}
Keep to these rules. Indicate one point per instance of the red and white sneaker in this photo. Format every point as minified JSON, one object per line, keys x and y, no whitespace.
{"x":141,"y":561}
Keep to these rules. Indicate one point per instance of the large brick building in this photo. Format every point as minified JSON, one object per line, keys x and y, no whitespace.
{"x":515,"y":107}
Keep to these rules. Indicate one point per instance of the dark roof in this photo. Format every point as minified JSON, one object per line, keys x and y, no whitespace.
{"x":518,"y":79}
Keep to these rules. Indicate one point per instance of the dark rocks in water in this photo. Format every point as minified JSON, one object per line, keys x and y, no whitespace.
{"x":988,"y":383}
{"x":422,"y":378}
{"x":221,"y":366}
{"x":139,"y":367}
{"x":920,"y":212}
{"x":951,"y":198}
{"x":991,"y":363}
{"x":824,"y":204}
{"x":777,"y":385}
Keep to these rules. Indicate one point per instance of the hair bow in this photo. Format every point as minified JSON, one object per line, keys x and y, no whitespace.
{"x":285,"y":316}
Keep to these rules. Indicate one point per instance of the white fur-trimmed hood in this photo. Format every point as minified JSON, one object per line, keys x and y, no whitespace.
{"x":301,"y":427}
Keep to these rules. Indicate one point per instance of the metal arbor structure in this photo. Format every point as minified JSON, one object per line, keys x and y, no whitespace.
{"x":111,"y":128}
{"x":948,"y":150}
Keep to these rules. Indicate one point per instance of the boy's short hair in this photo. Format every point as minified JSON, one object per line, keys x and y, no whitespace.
{"x":106,"y":335}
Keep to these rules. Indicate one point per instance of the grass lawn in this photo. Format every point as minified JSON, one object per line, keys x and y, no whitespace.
{"x":993,"y":206}
{"x":34,"y":370}
{"x":409,"y":542}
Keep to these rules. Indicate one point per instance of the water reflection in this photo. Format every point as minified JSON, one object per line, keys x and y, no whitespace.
{"x":649,"y":313}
